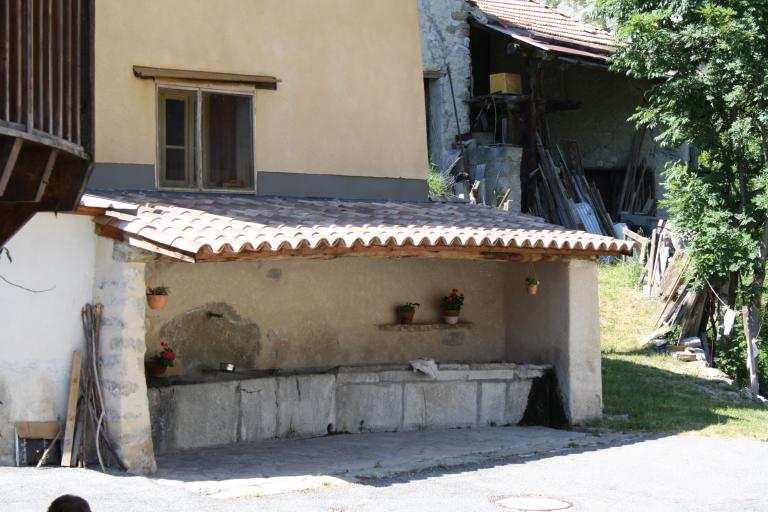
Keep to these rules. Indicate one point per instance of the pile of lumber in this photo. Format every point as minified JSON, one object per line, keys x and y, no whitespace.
{"x":85,"y":436}
{"x":82,"y":437}
{"x":661,"y":252}
{"x":637,"y":193}
{"x":562,"y":194}
{"x":684,"y":304}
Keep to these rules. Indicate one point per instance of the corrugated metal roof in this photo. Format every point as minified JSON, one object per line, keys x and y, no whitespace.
{"x":200,"y":226}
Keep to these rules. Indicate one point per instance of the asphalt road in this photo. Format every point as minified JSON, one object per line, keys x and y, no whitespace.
{"x":664,"y":474}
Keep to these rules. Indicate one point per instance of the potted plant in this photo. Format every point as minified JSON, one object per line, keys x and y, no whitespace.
{"x":162,"y":360}
{"x":405,"y":313}
{"x":451,"y":306}
{"x":532,"y":284}
{"x":157,"y":297}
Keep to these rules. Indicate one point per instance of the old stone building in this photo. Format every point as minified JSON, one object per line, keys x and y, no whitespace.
{"x":561,"y":90}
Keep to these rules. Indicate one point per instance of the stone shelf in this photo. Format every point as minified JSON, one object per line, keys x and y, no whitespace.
{"x":426,"y":327}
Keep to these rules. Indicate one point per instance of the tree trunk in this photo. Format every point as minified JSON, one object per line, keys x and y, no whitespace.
{"x":751,"y":314}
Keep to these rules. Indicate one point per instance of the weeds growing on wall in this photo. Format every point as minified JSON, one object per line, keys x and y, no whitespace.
{"x":439,"y":182}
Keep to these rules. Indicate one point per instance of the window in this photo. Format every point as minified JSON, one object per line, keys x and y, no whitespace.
{"x":209,"y":151}
{"x":177,"y":155}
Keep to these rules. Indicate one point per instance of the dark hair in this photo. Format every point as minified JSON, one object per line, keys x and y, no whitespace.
{"x":69,"y":503}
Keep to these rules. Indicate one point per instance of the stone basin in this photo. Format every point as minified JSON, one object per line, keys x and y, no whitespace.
{"x":252,"y":405}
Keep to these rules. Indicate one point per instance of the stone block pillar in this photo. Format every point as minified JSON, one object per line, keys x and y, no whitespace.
{"x":120,"y":286}
{"x":583,"y":387}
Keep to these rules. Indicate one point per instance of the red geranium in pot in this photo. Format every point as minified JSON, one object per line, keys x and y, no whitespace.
{"x":451,"y":306}
{"x":163,"y":359}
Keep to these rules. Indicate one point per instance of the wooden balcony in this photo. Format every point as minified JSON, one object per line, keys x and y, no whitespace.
{"x":46,"y":107}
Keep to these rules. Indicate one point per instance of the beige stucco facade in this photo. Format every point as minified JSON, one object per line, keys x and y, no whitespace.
{"x":350,"y":100}
{"x":316,"y":313}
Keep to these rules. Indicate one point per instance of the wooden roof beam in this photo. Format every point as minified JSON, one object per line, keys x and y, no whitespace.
{"x":9,"y":152}
{"x":29,"y":178}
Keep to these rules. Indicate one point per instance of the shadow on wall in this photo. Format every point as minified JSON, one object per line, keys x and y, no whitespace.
{"x":208,"y":335}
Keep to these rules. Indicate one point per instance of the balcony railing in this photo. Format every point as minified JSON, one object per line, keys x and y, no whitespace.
{"x":46,"y":84}
{"x":46,"y":107}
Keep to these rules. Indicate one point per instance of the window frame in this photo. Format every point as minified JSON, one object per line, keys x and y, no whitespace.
{"x":163,"y":89}
{"x":189,"y":135}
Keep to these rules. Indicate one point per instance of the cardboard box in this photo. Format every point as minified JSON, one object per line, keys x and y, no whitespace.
{"x":506,"y":83}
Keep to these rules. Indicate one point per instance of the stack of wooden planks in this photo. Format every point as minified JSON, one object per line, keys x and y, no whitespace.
{"x":563,"y":195}
{"x":665,"y":278}
{"x":637,"y":194}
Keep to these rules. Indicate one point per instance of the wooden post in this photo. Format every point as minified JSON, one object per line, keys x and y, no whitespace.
{"x":754,"y":384}
{"x":74,"y":394}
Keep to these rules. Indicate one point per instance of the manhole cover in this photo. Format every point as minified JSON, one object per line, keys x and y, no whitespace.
{"x":532,"y":504}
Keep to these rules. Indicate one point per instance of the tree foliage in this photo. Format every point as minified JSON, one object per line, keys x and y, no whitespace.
{"x":708,"y":62}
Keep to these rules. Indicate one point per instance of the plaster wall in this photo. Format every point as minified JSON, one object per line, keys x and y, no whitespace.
{"x":566,"y":308}
{"x":351,"y":97}
{"x":40,"y":331}
{"x":445,"y":42}
{"x":316,"y":313}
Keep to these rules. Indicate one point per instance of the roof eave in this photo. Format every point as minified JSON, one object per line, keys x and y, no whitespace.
{"x":531,"y":42}
{"x":477,"y":253}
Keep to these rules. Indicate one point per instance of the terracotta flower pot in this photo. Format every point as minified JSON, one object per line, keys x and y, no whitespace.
{"x":405,"y":317}
{"x":156,"y":370}
{"x":451,"y":316}
{"x":157,"y":301}
{"x":533,"y":289}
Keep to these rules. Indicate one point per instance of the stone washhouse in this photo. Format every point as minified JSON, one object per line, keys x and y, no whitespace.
{"x":300,"y":296}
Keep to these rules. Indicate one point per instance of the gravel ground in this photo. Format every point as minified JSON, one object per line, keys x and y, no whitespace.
{"x":668,"y":473}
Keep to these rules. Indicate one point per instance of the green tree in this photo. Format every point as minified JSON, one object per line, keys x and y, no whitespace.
{"x":708,"y":63}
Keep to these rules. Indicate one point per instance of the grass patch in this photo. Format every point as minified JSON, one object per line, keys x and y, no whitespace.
{"x":626,"y":316}
{"x":654,"y":393}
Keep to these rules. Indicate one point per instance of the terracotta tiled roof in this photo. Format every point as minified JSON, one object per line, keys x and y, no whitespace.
{"x":543,"y":20}
{"x":200,"y":226}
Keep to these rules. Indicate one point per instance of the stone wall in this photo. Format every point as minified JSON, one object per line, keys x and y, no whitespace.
{"x":352,"y":400}
{"x":445,"y":42}
{"x":601,"y":125}
{"x":502,"y":172}
{"x":120,"y":286}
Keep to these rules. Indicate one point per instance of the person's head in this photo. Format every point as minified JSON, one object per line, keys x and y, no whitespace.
{"x":69,"y":503}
